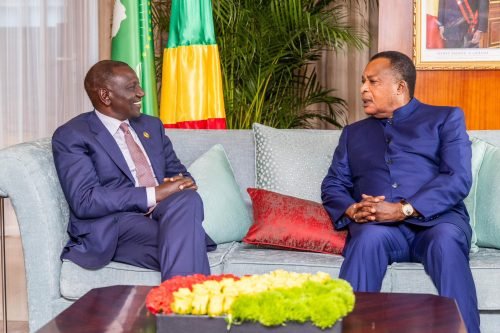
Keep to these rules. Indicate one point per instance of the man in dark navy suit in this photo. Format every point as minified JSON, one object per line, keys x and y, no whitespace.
{"x":131,"y":200}
{"x":462,"y":22}
{"x":397,"y":183}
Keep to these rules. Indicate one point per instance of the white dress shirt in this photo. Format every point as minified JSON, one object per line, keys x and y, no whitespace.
{"x":113,"y":126}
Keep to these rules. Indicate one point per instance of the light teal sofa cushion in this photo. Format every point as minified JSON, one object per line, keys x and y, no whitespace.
{"x":226,"y":216}
{"x":293,"y":162}
{"x":478,"y":150}
{"x":409,"y":277}
{"x":77,"y":281}
{"x":487,"y":201}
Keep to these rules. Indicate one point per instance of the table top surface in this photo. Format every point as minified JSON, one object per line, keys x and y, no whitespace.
{"x":122,"y":309}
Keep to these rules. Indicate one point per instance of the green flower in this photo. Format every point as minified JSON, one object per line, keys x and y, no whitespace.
{"x":323,"y":303}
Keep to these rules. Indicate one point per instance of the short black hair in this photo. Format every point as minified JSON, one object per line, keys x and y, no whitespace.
{"x":99,"y":76}
{"x":401,"y":64}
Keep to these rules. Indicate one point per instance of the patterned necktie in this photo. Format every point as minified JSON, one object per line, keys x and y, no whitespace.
{"x":142,"y":169}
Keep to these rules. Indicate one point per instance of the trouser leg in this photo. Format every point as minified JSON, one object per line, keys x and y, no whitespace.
{"x":137,"y":241}
{"x":444,"y":251}
{"x":182,"y":246}
{"x":370,"y":248}
{"x":172,"y":241}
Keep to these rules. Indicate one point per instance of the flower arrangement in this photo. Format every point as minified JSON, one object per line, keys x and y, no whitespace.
{"x":270,"y":299}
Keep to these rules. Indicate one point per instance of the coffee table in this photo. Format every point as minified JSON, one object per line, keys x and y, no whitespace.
{"x":122,"y":309}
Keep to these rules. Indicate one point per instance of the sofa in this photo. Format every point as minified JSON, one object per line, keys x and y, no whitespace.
{"x":29,"y":180}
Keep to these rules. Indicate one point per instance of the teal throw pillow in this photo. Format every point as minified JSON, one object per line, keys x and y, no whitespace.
{"x":226,"y":216}
{"x":487,"y":218}
{"x":478,"y":151}
{"x":293,"y":162}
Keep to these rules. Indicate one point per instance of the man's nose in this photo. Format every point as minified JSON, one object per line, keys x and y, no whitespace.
{"x":140,"y":92}
{"x":363,"y":87}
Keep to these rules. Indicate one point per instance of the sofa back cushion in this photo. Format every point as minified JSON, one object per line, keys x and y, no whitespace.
{"x":293,"y":162}
{"x":226,"y":218}
{"x":486,"y":216}
{"x":478,"y":150}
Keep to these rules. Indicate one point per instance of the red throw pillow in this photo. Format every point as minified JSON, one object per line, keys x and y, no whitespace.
{"x":287,"y":222}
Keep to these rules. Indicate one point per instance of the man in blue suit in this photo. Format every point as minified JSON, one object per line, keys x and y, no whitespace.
{"x":397,"y":183}
{"x":131,"y":200}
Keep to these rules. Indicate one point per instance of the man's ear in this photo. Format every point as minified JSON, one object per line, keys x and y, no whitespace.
{"x":402,"y":87}
{"x":103,"y":94}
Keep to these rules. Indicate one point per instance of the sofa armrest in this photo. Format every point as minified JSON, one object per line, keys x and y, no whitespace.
{"x":29,"y":179}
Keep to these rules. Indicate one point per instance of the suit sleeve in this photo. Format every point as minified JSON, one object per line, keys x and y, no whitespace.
{"x":337,"y":186}
{"x":452,"y":184}
{"x":87,"y":198}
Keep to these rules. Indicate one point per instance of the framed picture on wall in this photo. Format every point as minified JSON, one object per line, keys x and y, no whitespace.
{"x":456,"y":34}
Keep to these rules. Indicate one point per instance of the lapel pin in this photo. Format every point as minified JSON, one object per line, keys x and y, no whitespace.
{"x":145,"y":134}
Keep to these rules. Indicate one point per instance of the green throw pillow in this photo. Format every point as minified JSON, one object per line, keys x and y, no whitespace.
{"x":487,"y":223}
{"x":478,"y":150}
{"x":293,"y":162}
{"x":226,"y":216}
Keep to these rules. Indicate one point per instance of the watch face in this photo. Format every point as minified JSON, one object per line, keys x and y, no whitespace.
{"x":407,"y":210}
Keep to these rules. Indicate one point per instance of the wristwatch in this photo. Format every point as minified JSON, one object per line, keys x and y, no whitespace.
{"x":407,"y":208}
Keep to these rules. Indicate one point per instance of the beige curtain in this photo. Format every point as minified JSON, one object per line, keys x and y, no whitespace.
{"x":342,"y":70}
{"x":47,"y":47}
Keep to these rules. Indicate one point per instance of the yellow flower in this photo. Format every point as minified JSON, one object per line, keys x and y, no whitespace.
{"x":321,"y":277}
{"x":245,"y":286}
{"x":182,"y":301}
{"x":228,"y":301}
{"x":199,"y":304}
{"x":215,"y":307}
{"x":200,"y":289}
{"x":212,"y":286}
{"x":225,"y":283}
{"x":231,"y":291}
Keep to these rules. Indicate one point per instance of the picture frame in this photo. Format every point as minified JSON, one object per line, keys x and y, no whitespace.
{"x":432,"y":52}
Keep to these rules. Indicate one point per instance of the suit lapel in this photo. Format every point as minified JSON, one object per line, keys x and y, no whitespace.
{"x":108,"y":143}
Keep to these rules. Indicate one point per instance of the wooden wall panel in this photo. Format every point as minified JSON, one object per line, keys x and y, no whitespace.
{"x":476,"y":92}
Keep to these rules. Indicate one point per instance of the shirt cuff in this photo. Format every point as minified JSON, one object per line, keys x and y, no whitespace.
{"x":151,"y":196}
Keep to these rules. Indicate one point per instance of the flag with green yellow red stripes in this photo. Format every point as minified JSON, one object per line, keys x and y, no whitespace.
{"x":191,"y":92}
{"x":132,"y":42}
